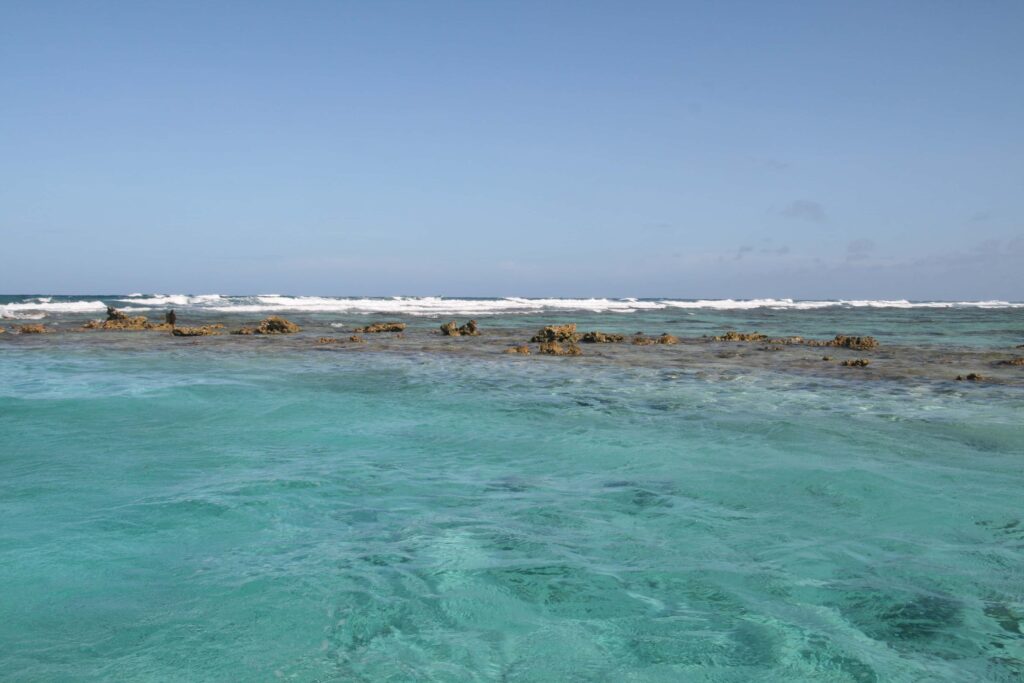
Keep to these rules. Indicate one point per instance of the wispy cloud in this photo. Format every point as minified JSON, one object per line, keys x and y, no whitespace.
{"x":804,"y":210}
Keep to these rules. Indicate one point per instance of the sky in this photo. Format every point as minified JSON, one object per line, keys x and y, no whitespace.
{"x":651,"y":149}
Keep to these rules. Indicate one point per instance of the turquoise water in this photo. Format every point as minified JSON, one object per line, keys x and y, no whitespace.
{"x":199,"y":515}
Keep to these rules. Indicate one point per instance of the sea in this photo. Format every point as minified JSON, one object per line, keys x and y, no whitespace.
{"x":261,"y":509}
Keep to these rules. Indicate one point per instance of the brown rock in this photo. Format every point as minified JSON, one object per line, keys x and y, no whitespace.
{"x":734,"y":336}
{"x":826,"y":357}
{"x":374,"y":328}
{"x":357,"y":339}
{"x":32,"y":328}
{"x":856,"y":363}
{"x":845,"y":342}
{"x":1012,"y":361}
{"x":522,"y":349}
{"x":553,"y":348}
{"x":667,"y":338}
{"x":326,"y":340}
{"x":122,"y":322}
{"x":202,"y":331}
{"x":642,"y":341}
{"x":971,"y":377}
{"x":272,"y":325}
{"x":451,"y":329}
{"x":556,"y":333}
{"x":601,"y":338}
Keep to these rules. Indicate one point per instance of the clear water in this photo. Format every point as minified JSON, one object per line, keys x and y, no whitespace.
{"x":202,"y":515}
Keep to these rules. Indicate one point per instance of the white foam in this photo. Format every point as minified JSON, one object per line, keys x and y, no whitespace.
{"x":31,"y":308}
{"x":171,"y":299}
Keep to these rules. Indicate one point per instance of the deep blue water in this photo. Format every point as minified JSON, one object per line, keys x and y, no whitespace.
{"x":199,"y":515}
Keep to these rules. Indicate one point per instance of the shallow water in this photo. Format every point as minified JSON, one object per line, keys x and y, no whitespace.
{"x":198,"y":514}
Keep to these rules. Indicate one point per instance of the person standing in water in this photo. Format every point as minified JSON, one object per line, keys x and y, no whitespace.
{"x":170,"y":318}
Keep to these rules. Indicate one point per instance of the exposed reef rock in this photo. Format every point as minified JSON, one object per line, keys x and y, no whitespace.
{"x":735,"y":336}
{"x":1012,"y":361}
{"x":123,"y":322}
{"x":357,"y":339}
{"x":601,"y":338}
{"x":642,"y":341}
{"x":553,"y":348}
{"x":667,"y":338}
{"x":33,"y":328}
{"x":272,"y":325}
{"x":556,"y":333}
{"x":374,"y":328}
{"x":327,"y":340}
{"x":452,"y":329}
{"x":971,"y":377}
{"x":842,"y":341}
{"x":856,"y":363}
{"x":522,"y":350}
{"x":202,"y":331}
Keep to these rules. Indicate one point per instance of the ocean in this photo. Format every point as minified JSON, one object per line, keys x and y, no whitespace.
{"x":425,"y":508}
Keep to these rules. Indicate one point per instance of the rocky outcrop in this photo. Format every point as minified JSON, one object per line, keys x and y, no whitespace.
{"x":844,"y":342}
{"x":327,"y":340}
{"x":556,"y":333}
{"x":522,"y":350}
{"x":119,"y":322}
{"x":971,"y":377}
{"x":601,"y":338}
{"x":201,"y":331}
{"x":734,"y":336}
{"x":667,"y":338}
{"x":272,"y":325}
{"x":856,"y":363}
{"x":374,"y":328}
{"x":33,"y":328}
{"x":642,"y":341}
{"x":114,"y":314}
{"x":357,"y":339}
{"x":554,"y":348}
{"x":452,"y":329}
{"x":1012,"y":361}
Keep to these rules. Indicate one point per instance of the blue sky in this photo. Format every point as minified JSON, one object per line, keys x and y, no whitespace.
{"x":727,"y":149}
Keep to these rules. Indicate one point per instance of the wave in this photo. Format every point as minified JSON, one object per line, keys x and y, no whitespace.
{"x":439,"y":306}
{"x":34,"y":309}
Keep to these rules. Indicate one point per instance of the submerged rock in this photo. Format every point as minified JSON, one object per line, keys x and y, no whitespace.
{"x":667,"y":338}
{"x":357,"y":339}
{"x":642,"y":341}
{"x":735,"y":336}
{"x":601,"y":338}
{"x":556,"y":333}
{"x":33,"y":328}
{"x":272,"y":325}
{"x":856,"y":363}
{"x":554,"y":348}
{"x":971,"y":377}
{"x":374,"y":328}
{"x":522,"y":350}
{"x":1012,"y":361}
{"x":201,"y":331}
{"x":452,"y":329}
{"x":327,"y":340}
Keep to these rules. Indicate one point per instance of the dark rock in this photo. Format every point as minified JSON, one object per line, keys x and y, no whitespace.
{"x":856,"y":363}
{"x":452,"y":329}
{"x":556,"y":333}
{"x":845,"y":342}
{"x":522,"y":349}
{"x":971,"y":377}
{"x":826,"y":357}
{"x":601,"y":338}
{"x":272,"y":325}
{"x":553,"y":348}
{"x":374,"y":328}
{"x":33,"y":328}
{"x":202,"y":331}
{"x":732,"y":335}
{"x":114,"y":314}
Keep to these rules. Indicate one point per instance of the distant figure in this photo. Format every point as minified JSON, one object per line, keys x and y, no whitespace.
{"x":170,"y":318}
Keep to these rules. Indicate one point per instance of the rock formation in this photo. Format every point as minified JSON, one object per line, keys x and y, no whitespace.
{"x":856,"y":363}
{"x":735,"y":336}
{"x":556,"y":333}
{"x":272,"y":325}
{"x":374,"y":328}
{"x":601,"y":338}
{"x":202,"y":331}
{"x":32,"y":328}
{"x":522,"y":350}
{"x":554,"y":348}
{"x":451,"y":329}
